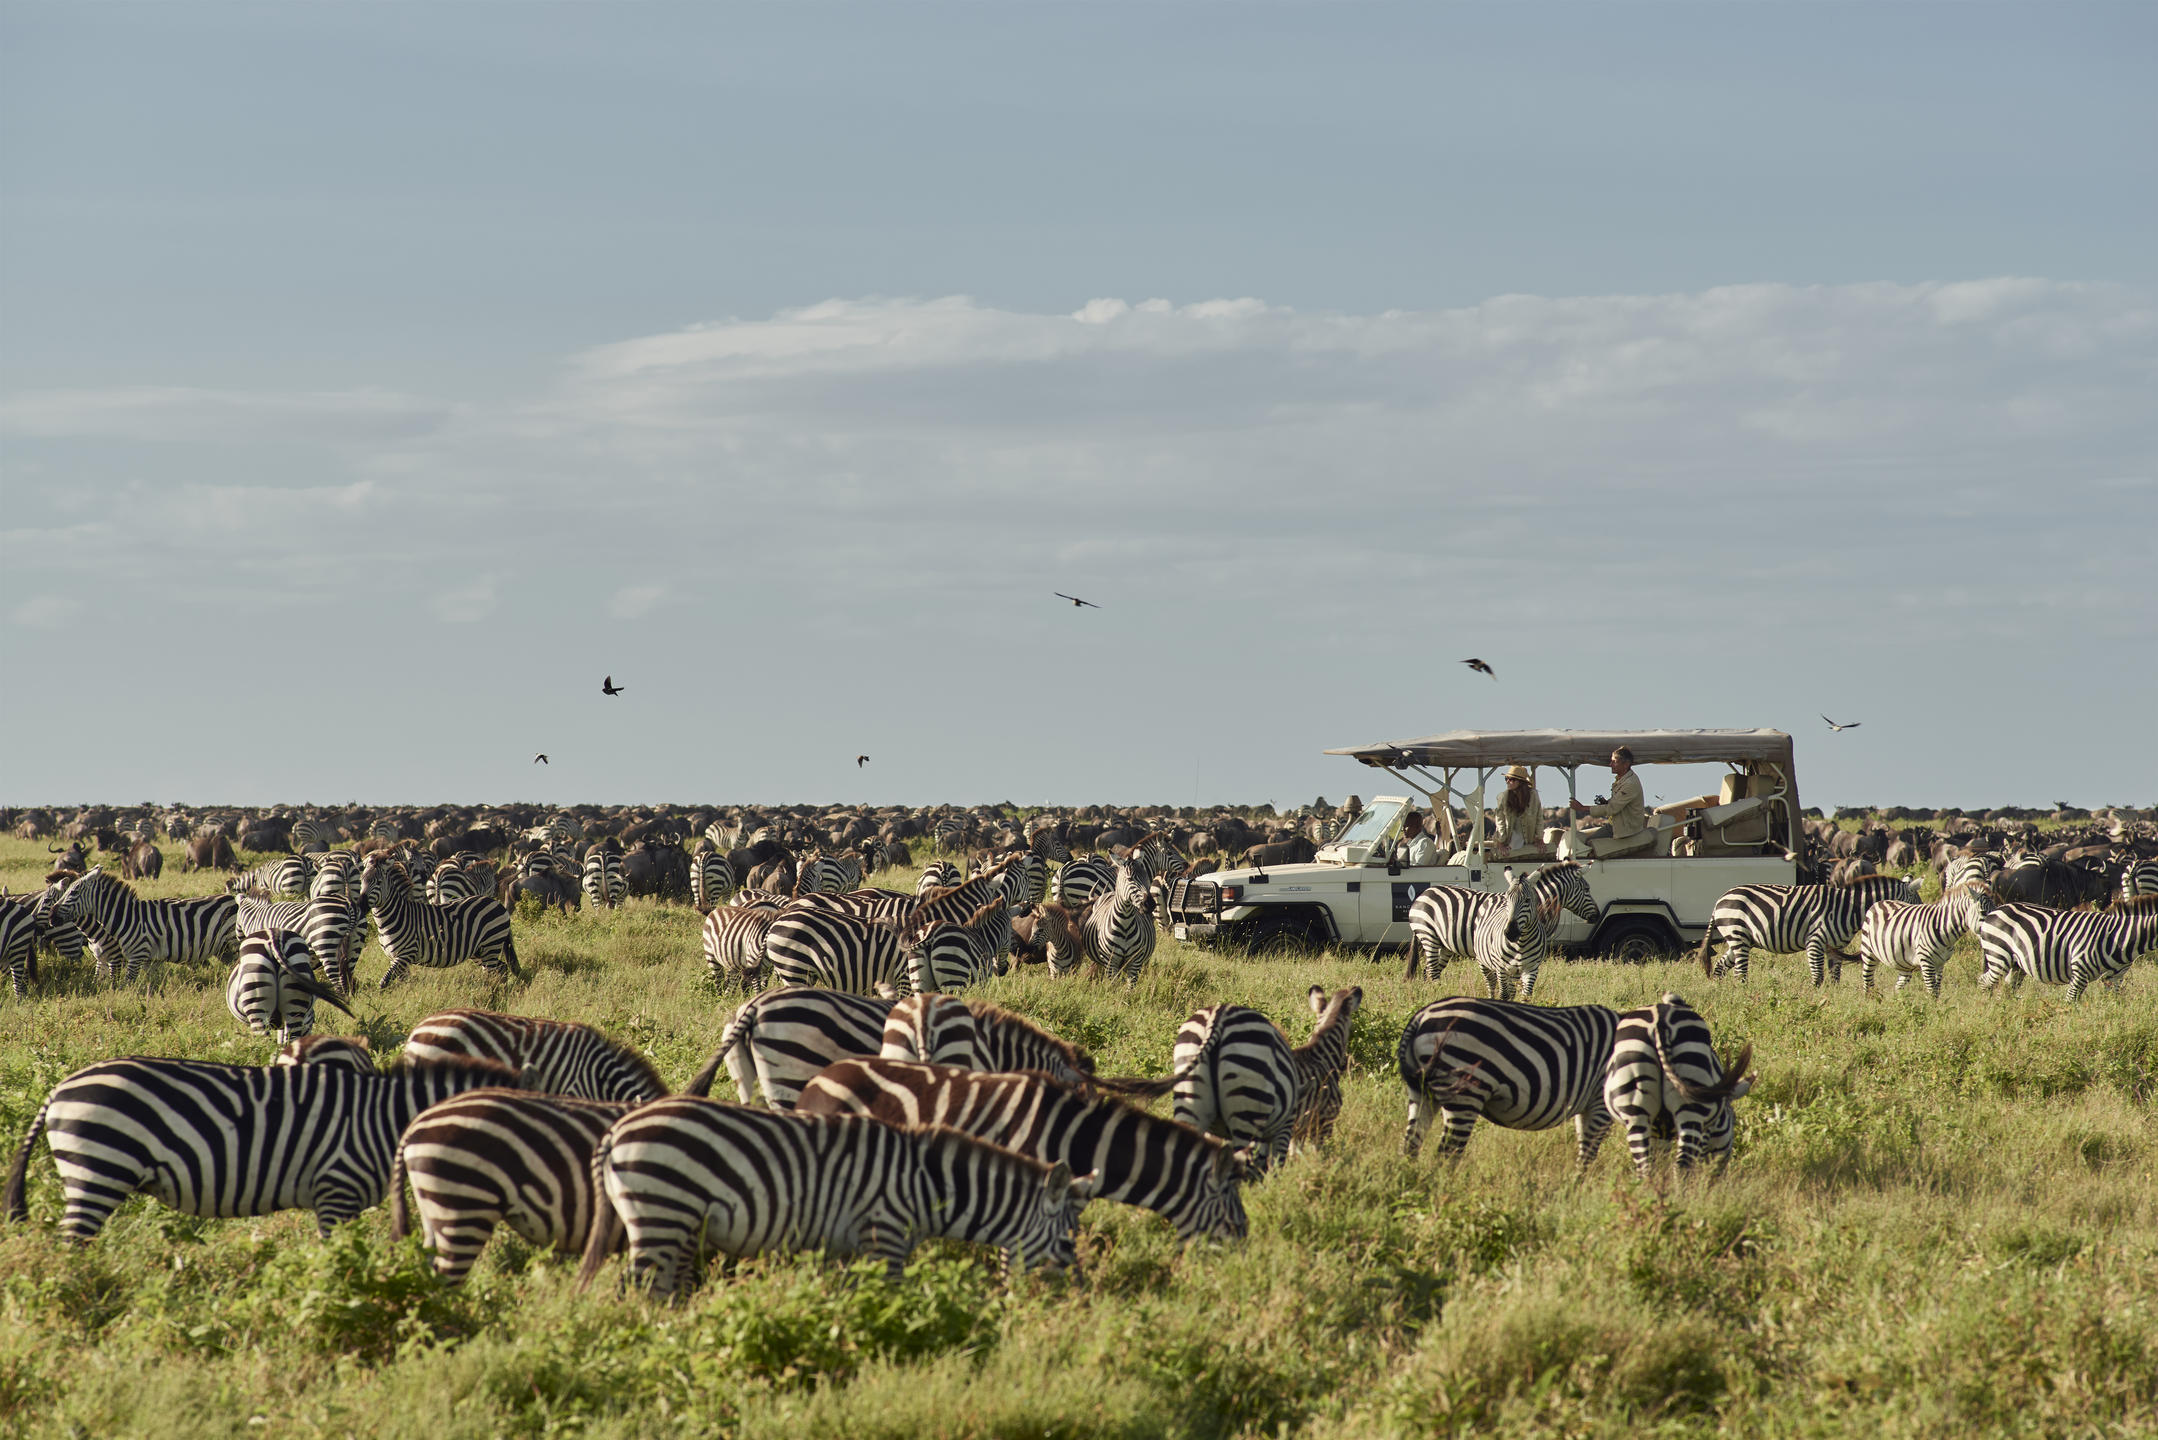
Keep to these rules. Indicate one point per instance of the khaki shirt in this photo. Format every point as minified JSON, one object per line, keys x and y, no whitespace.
{"x":1624,"y":810}
{"x":1524,"y":831}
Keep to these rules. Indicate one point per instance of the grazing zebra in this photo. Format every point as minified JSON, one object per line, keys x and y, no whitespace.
{"x":682,"y":1172}
{"x":975,"y":1035}
{"x":1083,"y":878}
{"x":491,"y":1157}
{"x":273,"y":985}
{"x":734,"y":946}
{"x":1522,"y":1067}
{"x":2139,"y":877}
{"x":122,"y":925}
{"x":557,"y":1056}
{"x":603,"y":879}
{"x":813,"y":945}
{"x":938,"y":875}
{"x":287,"y":875}
{"x":1190,"y":1178}
{"x":954,"y":957}
{"x":226,"y":1140}
{"x":711,"y":879}
{"x":827,"y":875}
{"x":349,"y":1051}
{"x":1117,"y":932}
{"x":336,"y":877}
{"x":1978,"y":868}
{"x":1238,"y":1077}
{"x":778,"y":1040}
{"x":18,"y":943}
{"x":1503,"y":930}
{"x":1818,"y":919}
{"x":1917,"y":938}
{"x":310,"y":834}
{"x":2065,"y":947}
{"x":949,"y":833}
{"x":1664,"y":1082}
{"x":954,"y":905}
{"x":413,"y":932}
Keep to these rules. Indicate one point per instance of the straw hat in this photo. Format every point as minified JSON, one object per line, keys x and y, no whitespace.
{"x":1518,"y":772}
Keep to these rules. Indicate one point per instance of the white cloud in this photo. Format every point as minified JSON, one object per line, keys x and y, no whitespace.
{"x":45,"y":612}
{"x":633,"y":601}
{"x":467,"y":604}
{"x":181,"y":413}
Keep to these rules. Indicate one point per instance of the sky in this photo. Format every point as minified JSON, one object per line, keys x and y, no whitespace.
{"x":375,"y":378}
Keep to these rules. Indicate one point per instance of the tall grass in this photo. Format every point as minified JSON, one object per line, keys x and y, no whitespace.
{"x":1939,"y":1221}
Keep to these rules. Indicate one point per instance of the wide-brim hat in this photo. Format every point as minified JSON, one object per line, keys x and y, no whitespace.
{"x":1518,"y":772}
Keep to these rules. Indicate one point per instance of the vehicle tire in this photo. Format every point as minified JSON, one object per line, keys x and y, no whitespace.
{"x":1277,"y":936}
{"x":1638,"y":940}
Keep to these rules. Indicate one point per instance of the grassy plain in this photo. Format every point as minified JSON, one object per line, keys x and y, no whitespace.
{"x":1939,"y":1221}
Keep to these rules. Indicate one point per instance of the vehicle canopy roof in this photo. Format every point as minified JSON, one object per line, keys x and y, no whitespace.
{"x":1490,"y":748}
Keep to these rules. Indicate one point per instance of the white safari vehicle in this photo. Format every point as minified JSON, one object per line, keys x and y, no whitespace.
{"x":1655,"y":890}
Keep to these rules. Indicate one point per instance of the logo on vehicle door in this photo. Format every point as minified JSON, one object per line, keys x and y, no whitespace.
{"x":1405,"y":893}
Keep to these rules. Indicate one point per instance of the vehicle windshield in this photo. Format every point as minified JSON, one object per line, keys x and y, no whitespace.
{"x":1371,"y":824}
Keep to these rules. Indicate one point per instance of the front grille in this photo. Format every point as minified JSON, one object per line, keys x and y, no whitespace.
{"x":1195,"y":902}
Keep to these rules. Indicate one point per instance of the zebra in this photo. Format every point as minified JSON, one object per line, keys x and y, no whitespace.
{"x":1026,"y":879}
{"x":1818,"y":919}
{"x":122,"y":925}
{"x":64,"y":937}
{"x":557,"y":1056}
{"x":1117,"y":932}
{"x":310,"y":834}
{"x":1664,"y":1081}
{"x":949,"y":833}
{"x":2139,"y":877}
{"x":2071,"y":947}
{"x":1237,"y":1076}
{"x":954,"y":905}
{"x":711,"y":879}
{"x":1502,"y":929}
{"x":413,"y":932}
{"x":273,"y":985}
{"x":287,"y":875}
{"x":1917,"y":938}
{"x":778,"y":1040}
{"x":814,"y":945}
{"x":1192,"y":1179}
{"x":490,"y":1157}
{"x":1522,"y":1067}
{"x":452,"y":883}
{"x":954,"y":957}
{"x":734,"y":946}
{"x":336,"y":876}
{"x":335,"y":927}
{"x":938,"y":875}
{"x":1081,"y":879}
{"x":602,"y":877}
{"x":1980,"y":867}
{"x":349,"y":1051}
{"x":827,"y":875}
{"x":682,"y":1171}
{"x":221,"y":1141}
{"x":18,"y":943}
{"x":975,"y":1035}
{"x":1044,"y":840}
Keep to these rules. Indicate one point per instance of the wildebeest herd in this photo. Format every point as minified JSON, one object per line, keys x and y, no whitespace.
{"x":894,"y":1107}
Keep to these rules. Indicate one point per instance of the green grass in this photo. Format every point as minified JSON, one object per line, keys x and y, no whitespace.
{"x":1939,"y":1221}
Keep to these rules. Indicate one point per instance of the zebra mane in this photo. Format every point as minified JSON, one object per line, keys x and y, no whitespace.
{"x":2139,"y":905}
{"x":947,"y":1138}
{"x":636,"y":1060}
{"x":495,"y":1070}
{"x":1075,"y":1055}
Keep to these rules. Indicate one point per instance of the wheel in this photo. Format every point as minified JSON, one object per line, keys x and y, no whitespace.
{"x":1277,"y":936}
{"x":1638,"y":941}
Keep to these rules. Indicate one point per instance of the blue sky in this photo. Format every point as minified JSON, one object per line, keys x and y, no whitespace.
{"x":375,"y":377}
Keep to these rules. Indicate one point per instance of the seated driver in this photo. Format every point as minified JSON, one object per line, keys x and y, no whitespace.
{"x":1517,"y":825}
{"x":1625,"y":809}
{"x":1415,"y":847}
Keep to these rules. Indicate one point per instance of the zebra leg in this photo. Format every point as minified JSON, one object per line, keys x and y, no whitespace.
{"x":1525,"y":982}
{"x":1641,"y":1141}
{"x":458,"y":1240}
{"x":1590,"y":1127}
{"x":1456,"y":1123}
{"x":1420,"y":1107}
{"x":1737,"y":957}
{"x":395,"y":973}
{"x":1817,"y":959}
{"x":1867,"y":964}
{"x":1929,"y":969}
{"x":1493,"y":985}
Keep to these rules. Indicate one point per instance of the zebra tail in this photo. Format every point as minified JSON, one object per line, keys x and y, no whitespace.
{"x":737,"y":1033}
{"x":1140,"y":1087}
{"x":400,"y":1212}
{"x":1416,"y":953}
{"x":606,"y":1236}
{"x":15,"y":1206}
{"x":1708,"y":938}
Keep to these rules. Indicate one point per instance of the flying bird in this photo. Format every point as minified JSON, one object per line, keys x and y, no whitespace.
{"x":1076,"y":601}
{"x":860,"y":761}
{"x":1481,"y":668}
{"x":1852,"y":726}
{"x":608,"y":687}
{"x":540,"y":759}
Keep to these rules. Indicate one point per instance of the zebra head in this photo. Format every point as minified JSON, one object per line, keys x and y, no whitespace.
{"x":1520,"y":905}
{"x":1564,"y":886}
{"x":84,"y":899}
{"x":383,"y":882}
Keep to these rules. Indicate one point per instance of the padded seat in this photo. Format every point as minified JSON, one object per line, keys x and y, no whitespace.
{"x":1740,"y":822}
{"x":1604,"y":847}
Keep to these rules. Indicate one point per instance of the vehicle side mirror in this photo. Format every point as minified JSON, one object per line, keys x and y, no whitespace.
{"x":1393,"y":867}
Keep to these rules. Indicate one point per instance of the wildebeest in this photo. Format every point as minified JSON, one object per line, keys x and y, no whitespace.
{"x":210,"y":852}
{"x":657,"y":867}
{"x":2051,"y":882}
{"x":1297,"y":851}
{"x":142,"y":861}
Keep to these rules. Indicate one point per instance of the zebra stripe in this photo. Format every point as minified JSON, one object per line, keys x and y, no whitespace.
{"x":682,"y":1172}
{"x":1502,"y":930}
{"x":492,"y":1157}
{"x":975,"y":1035}
{"x":954,"y":957}
{"x":778,"y":1040}
{"x":1522,"y":1067}
{"x":413,"y":932}
{"x":227,"y":1140}
{"x":1140,"y":1159}
{"x":18,"y":942}
{"x":1916,"y":939}
{"x":558,"y":1056}
{"x":711,"y":879}
{"x":2139,"y":877}
{"x":1082,"y":879}
{"x":122,"y":925}
{"x":273,"y":985}
{"x":1665,"y":1082}
{"x":938,"y":875}
{"x":734,"y":946}
{"x":831,"y":948}
{"x":602,"y":878}
{"x":2065,"y":947}
{"x":1821,"y":920}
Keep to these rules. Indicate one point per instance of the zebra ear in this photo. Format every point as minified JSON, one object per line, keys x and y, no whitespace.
{"x":1316,"y":996}
{"x":1086,"y":1187}
{"x":1057,"y":1184}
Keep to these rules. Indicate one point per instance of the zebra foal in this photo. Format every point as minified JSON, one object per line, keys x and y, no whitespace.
{"x":1916,"y":939}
